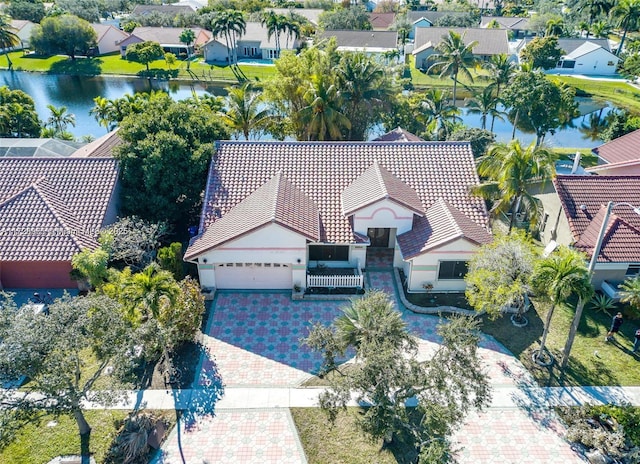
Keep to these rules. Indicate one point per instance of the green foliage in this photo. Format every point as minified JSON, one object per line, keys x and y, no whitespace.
{"x":18,"y":116}
{"x":170,"y":259}
{"x":601,"y":302}
{"x":59,"y":120}
{"x":500,"y":273}
{"x":454,"y":56}
{"x":164,"y":157}
{"x":8,"y":36}
{"x":242,"y":113}
{"x":354,"y":18}
{"x":65,"y":34}
{"x":132,"y":241}
{"x":542,"y":52}
{"x":620,"y":123}
{"x":457,"y":20}
{"x":387,"y":373}
{"x":89,"y":10}
{"x":148,"y":293}
{"x":438,"y":114}
{"x":91,"y":265}
{"x":630,"y":67}
{"x":630,"y":292}
{"x":480,"y":139}
{"x":25,"y":9}
{"x":144,"y":52}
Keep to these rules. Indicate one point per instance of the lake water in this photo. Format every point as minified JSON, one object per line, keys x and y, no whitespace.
{"x":77,"y":94}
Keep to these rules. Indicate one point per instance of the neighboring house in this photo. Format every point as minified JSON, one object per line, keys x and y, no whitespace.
{"x":310,"y":14}
{"x":518,"y":27}
{"x":51,"y":209}
{"x":283,"y":214}
{"x":101,"y":147}
{"x":589,"y":58}
{"x":381,"y":21}
{"x":574,"y":208}
{"x":422,"y":19}
{"x":167,"y":37}
{"x":109,"y":38}
{"x":380,"y":44}
{"x":490,"y":42}
{"x":619,"y":157}
{"x":165,"y":10}
{"x":254,"y":44}
{"x":37,"y":148}
{"x":22,"y":28}
{"x":398,"y":135}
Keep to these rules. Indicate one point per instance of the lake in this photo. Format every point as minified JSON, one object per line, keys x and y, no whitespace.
{"x":77,"y":94}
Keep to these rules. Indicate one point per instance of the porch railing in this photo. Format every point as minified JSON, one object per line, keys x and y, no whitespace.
{"x":354,"y":280}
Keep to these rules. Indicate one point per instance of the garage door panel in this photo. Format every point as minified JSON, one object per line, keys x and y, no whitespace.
{"x":253,"y":276}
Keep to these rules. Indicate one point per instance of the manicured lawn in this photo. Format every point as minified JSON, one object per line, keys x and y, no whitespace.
{"x":587,"y":158}
{"x":620,"y":92}
{"x":38,"y":443}
{"x":342,"y":443}
{"x":423,"y":80}
{"x":593,"y":361}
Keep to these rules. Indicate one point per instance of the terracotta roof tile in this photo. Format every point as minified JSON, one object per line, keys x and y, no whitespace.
{"x":278,"y":201}
{"x":322,"y":171}
{"x":442,"y":224}
{"x":583,"y":200}
{"x":375,"y":184}
{"x":51,"y":208}
{"x":625,"y":148}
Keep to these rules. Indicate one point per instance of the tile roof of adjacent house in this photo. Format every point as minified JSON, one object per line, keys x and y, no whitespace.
{"x":100,"y":148}
{"x":174,"y":10}
{"x":323,"y":170}
{"x":163,"y":35}
{"x":490,"y":41}
{"x":375,"y":184}
{"x":278,"y":201}
{"x":361,"y":40}
{"x":51,"y":208}
{"x":622,"y":149}
{"x":442,"y":224}
{"x":398,"y":135}
{"x":431,"y":16}
{"x":381,"y":21}
{"x":506,"y":22}
{"x":583,"y":199}
{"x":18,"y":24}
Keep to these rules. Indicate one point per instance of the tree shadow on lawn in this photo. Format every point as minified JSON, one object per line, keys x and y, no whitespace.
{"x":516,"y":339}
{"x":79,"y":66}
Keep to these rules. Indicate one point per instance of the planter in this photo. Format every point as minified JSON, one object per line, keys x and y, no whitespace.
{"x":519,"y":321}
{"x":545,"y":359}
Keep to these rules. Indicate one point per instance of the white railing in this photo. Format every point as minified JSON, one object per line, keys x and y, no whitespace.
{"x":337,"y":281}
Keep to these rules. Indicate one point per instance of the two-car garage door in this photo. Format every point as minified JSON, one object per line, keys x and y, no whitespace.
{"x":253,"y":275}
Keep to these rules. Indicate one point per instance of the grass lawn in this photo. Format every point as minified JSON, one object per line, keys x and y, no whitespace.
{"x":342,"y":443}
{"x":620,"y":93}
{"x":424,"y":81}
{"x":593,"y":361}
{"x":38,"y":443}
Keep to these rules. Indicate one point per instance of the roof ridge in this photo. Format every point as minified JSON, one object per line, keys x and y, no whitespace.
{"x":376,"y":167}
{"x":276,"y":197}
{"x":449,"y":214}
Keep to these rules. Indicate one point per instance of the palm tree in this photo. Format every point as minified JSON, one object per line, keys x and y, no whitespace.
{"x":502,"y":70}
{"x":60,"y":119}
{"x":322,"y":117}
{"x":601,"y":29}
{"x":8,"y":38}
{"x":486,"y":104}
{"x":243,"y":114}
{"x":454,"y":57}
{"x":103,"y":112}
{"x":627,"y":12}
{"x":275,"y":24}
{"x":595,"y":8}
{"x":291,"y":28}
{"x":187,"y":37}
{"x":510,"y":169}
{"x":555,"y":27}
{"x":557,"y":277}
{"x":148,"y":291}
{"x":631,"y":292}
{"x":364,"y":90}
{"x":438,"y":112}
{"x":230,"y":24}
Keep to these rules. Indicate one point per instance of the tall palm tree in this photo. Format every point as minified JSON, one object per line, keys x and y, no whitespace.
{"x":275,"y":24}
{"x":103,"y":112}
{"x":292,"y":28}
{"x":557,"y":277}
{"x":555,"y":27}
{"x":601,"y":29}
{"x":230,"y":24}
{"x":187,"y":37}
{"x":454,"y":57}
{"x":486,"y":104}
{"x":509,"y":170}
{"x":502,"y":70}
{"x":627,"y":12}
{"x":595,"y":8}
{"x":8,"y":38}
{"x":148,"y":291}
{"x":243,"y":113}
{"x":60,"y":119}
{"x":438,"y":112}
{"x":364,"y":90}
{"x":631,"y":292}
{"x":322,"y":117}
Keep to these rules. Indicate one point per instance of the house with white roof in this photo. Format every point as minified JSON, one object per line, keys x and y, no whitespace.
{"x":589,"y":58}
{"x":278,"y":215}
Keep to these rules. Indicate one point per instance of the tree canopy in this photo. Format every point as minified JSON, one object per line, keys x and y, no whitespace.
{"x":542,"y":52}
{"x":144,"y":52}
{"x":18,"y":116}
{"x":352,"y":18}
{"x":65,"y":34}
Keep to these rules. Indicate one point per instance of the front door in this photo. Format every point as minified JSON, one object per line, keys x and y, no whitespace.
{"x":379,"y":237}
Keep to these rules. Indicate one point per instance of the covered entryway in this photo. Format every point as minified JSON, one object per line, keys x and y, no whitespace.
{"x":379,"y":237}
{"x":265,"y":276}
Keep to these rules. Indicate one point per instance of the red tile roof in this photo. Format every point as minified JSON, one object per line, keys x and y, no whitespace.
{"x":625,"y":148}
{"x":278,"y":201}
{"x":101,"y":147}
{"x":375,"y":184}
{"x":51,"y":208}
{"x":381,"y":20}
{"x":398,"y":135}
{"x":583,"y":199}
{"x":322,"y":171}
{"x":442,"y":224}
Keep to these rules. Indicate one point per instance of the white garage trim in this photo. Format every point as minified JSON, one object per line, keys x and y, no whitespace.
{"x":261,"y":276}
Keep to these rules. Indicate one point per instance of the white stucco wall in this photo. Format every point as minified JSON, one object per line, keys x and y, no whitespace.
{"x":215,"y":51}
{"x":595,"y":62}
{"x":383,"y":214}
{"x":109,"y":41}
{"x":424,"y":268}
{"x":611,"y":272}
{"x":269,"y":244}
